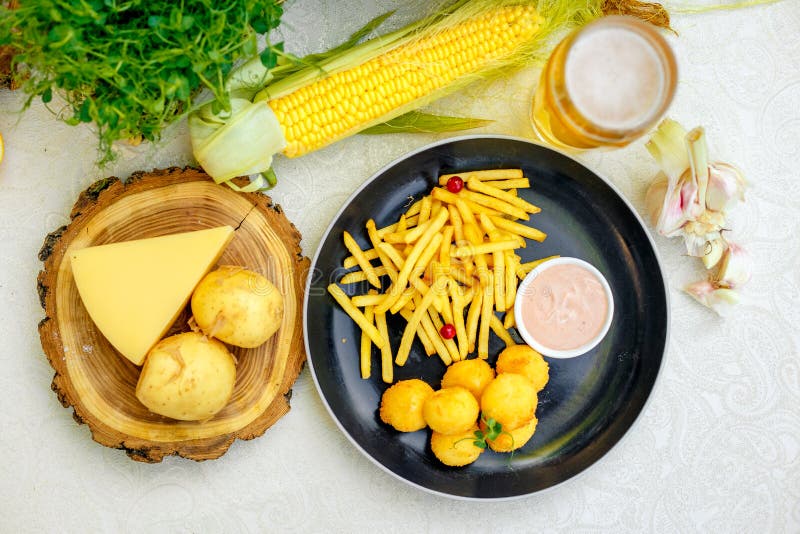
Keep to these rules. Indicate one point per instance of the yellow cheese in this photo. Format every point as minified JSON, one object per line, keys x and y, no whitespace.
{"x":135,"y":290}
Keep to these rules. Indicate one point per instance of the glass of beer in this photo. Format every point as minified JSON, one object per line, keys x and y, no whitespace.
{"x":604,"y":85}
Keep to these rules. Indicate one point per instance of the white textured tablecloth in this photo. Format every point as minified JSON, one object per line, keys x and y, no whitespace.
{"x":716,"y":450}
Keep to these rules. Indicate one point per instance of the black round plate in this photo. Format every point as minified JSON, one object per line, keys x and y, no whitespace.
{"x":589,"y":402}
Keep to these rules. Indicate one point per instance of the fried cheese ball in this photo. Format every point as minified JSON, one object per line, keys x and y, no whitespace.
{"x":473,"y":375}
{"x":401,"y":405}
{"x":451,"y":410}
{"x":523,"y":360}
{"x":510,"y":440}
{"x":510,"y":399}
{"x":456,"y":449}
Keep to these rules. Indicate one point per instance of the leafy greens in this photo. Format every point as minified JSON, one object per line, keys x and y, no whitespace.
{"x":133,"y":66}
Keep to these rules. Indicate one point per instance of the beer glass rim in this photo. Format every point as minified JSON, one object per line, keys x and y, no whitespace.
{"x":665,"y":56}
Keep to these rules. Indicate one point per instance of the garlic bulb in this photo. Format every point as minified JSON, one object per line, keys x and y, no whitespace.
{"x":690,"y":198}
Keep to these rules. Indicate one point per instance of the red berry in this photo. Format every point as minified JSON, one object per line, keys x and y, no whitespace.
{"x":454,"y":185}
{"x":448,"y":331}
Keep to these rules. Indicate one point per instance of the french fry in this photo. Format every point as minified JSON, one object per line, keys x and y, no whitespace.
{"x":467,"y":215}
{"x":479,"y":187}
{"x":473,"y":317}
{"x":487,"y":224}
{"x":407,"y":236}
{"x":467,"y":295}
{"x":360,"y":301}
{"x":393,"y":254}
{"x":444,"y":249}
{"x":474,"y":239}
{"x":498,"y":263}
{"x":405,"y":299}
{"x":499,"y":276}
{"x":411,"y":327}
{"x":403,"y":224}
{"x":356,"y":315}
{"x":455,"y":222}
{"x":450,"y":198}
{"x":362,"y":260}
{"x":525,"y":268}
{"x":366,"y":346}
{"x":436,"y":205}
{"x":421,"y":334}
{"x":486,"y":316}
{"x":487,"y":175}
{"x":458,"y":302}
{"x":449,"y":344}
{"x":511,"y":279}
{"x":351,"y":261}
{"x":397,"y":288}
{"x":512,"y":183}
{"x":413,"y":209}
{"x":422,"y":288}
{"x":425,"y":261}
{"x":427,"y":256}
{"x":509,"y":321}
{"x":451,"y":260}
{"x":483,"y":248}
{"x":519,"y":229}
{"x":500,"y":331}
{"x":490,"y":203}
{"x":460,"y":275}
{"x":436,"y":339}
{"x":387,"y":371}
{"x":360,"y":276}
{"x":447,"y":312}
{"x":424,"y":209}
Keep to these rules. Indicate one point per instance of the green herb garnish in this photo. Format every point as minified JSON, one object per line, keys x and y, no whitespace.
{"x":132,"y":66}
{"x":492,"y":432}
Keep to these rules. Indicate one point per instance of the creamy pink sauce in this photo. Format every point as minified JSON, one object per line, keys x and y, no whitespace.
{"x":564,"y":307}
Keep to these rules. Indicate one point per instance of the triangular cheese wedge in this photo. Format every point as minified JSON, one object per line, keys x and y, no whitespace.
{"x":135,"y":290}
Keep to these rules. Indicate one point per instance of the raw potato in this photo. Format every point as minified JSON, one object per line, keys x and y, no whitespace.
{"x":401,"y":405}
{"x":187,"y":376}
{"x":451,"y":410}
{"x":523,"y":360}
{"x":456,"y":449}
{"x":473,"y":375}
{"x":510,"y":399}
{"x":237,"y":306}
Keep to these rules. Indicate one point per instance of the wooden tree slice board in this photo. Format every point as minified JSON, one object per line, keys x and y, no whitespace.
{"x":99,"y":383}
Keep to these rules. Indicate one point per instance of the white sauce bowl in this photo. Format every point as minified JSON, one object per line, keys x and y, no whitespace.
{"x":529,"y":337}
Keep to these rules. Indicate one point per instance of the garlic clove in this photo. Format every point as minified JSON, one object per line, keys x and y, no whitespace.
{"x":713,"y":252}
{"x":654,"y":198}
{"x":709,"y":294}
{"x":678,"y":208}
{"x":736,"y":267}
{"x":726,"y":186}
{"x":697,"y":150}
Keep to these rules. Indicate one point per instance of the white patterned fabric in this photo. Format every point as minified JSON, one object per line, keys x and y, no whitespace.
{"x":717,"y":448}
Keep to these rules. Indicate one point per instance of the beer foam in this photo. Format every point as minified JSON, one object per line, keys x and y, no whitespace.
{"x":614,"y":78}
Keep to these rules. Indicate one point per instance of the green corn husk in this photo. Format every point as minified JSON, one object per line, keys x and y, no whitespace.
{"x":421,"y":122}
{"x":213,"y":134}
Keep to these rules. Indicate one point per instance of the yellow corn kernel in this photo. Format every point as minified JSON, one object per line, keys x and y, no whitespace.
{"x":371,"y":92}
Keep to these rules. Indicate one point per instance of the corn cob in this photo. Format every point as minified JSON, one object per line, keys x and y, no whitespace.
{"x":346,"y":102}
{"x":299,"y":110}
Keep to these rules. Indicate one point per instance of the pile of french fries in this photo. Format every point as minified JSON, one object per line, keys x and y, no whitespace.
{"x":450,"y":259}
